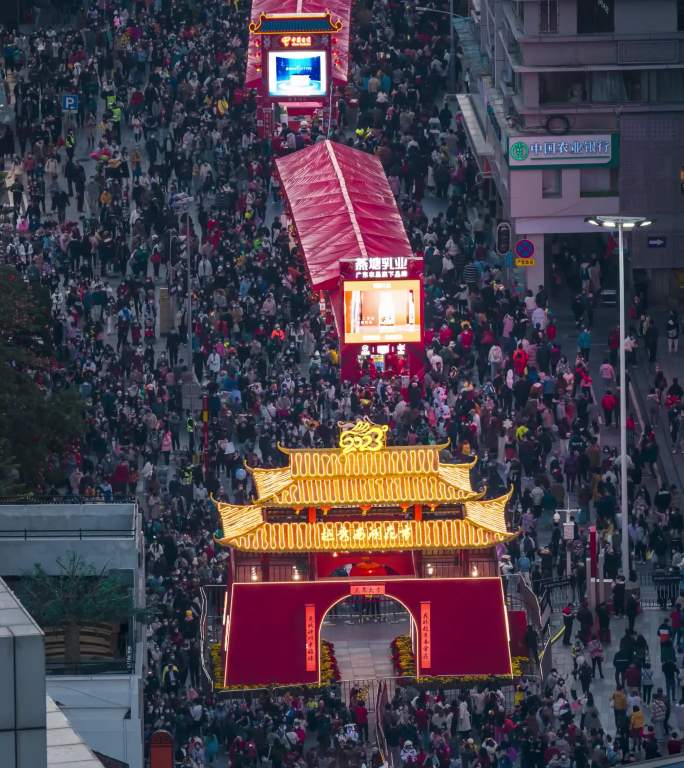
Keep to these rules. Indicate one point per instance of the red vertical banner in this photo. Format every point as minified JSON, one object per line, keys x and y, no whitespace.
{"x":425,"y":636}
{"x":311,"y":647}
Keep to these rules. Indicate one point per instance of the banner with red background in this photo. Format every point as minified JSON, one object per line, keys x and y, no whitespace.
{"x":267,"y":641}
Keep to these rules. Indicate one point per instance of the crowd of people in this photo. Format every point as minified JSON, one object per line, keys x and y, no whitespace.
{"x":97,"y":210}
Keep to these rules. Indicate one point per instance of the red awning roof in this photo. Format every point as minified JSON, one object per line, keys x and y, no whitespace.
{"x":339,"y":9}
{"x":342,"y":207}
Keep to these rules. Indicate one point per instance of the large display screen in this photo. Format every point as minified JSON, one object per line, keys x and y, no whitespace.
{"x":297,"y":73}
{"x":382,"y":311}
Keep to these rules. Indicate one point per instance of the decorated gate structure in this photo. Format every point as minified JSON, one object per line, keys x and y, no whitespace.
{"x":363,"y":519}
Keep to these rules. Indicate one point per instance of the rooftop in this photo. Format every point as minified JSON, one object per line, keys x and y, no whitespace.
{"x":65,"y":748}
{"x":365,"y":475}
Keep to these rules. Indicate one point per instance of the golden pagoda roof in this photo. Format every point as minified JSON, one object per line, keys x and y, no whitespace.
{"x":362,"y":473}
{"x":364,"y":470}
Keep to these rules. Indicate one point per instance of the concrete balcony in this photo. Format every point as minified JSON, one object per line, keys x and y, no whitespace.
{"x":547,"y":51}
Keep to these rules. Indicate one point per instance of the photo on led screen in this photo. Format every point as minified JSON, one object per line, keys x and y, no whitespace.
{"x":296,"y":73}
{"x":383,"y":311}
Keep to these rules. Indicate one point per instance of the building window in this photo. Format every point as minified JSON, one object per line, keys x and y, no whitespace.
{"x":552,"y":182}
{"x":669,"y":85}
{"x":562,"y":87}
{"x":519,"y":12}
{"x":599,"y":182}
{"x":548,"y":16}
{"x":613,"y":86}
{"x":680,"y":15}
{"x":595,"y":16}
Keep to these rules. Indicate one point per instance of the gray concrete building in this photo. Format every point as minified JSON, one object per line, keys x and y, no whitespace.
{"x":101,"y":697}
{"x":576,"y":107}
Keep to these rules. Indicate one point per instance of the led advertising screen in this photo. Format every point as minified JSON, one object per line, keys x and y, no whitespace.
{"x":297,"y":73}
{"x":382,"y":311}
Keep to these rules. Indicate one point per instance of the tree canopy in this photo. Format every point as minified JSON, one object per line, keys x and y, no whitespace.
{"x":37,"y":419}
{"x":78,"y":594}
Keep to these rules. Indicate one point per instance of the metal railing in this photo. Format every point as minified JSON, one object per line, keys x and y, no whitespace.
{"x":92,"y":667}
{"x":381,"y":701}
{"x":66,"y":533}
{"x":123,"y":498}
{"x":366,"y":609}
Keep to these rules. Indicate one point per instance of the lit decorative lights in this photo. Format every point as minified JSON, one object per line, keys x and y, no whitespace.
{"x":350,"y":536}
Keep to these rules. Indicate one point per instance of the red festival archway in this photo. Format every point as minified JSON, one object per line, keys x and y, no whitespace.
{"x":274,"y":628}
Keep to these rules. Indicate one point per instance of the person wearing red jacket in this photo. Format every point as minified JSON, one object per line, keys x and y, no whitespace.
{"x":520,"y":358}
{"x":608,"y":403}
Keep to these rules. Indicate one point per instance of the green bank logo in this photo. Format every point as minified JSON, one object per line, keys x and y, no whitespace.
{"x":520,"y":151}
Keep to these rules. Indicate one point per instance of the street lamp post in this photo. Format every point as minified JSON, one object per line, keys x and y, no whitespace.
{"x":622,"y":223}
{"x":180,"y":204}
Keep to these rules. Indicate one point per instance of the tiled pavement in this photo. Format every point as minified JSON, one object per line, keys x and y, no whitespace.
{"x":363,"y":650}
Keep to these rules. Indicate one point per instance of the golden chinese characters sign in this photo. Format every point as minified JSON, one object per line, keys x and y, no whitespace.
{"x":363,"y":436}
{"x":359,"y":536}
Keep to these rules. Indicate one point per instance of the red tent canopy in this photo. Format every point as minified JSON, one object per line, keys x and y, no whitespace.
{"x":339,"y":9}
{"x":342,"y":207}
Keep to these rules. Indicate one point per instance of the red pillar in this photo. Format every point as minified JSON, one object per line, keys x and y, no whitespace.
{"x":265,"y":567}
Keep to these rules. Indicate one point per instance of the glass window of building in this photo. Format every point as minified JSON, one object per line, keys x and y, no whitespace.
{"x":548,"y":16}
{"x":599,"y":182}
{"x":552,"y":182}
{"x":595,"y":16}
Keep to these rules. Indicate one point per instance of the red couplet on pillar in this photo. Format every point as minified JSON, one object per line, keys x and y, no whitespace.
{"x":425,"y":635}
{"x":311,"y":641}
{"x":592,"y":552}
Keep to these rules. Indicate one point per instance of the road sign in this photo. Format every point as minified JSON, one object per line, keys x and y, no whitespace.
{"x":524,"y":249}
{"x":70,"y":102}
{"x":503,"y":238}
{"x":657,"y":242}
{"x":527,"y":262}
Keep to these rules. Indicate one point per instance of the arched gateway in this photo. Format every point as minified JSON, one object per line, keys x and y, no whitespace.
{"x":364,"y":520}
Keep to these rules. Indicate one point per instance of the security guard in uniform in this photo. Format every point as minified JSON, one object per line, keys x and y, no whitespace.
{"x":190,"y":427}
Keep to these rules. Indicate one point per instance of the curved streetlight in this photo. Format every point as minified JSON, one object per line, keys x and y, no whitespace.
{"x":622,"y":223}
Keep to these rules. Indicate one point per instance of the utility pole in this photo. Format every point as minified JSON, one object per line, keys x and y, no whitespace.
{"x":180,"y":204}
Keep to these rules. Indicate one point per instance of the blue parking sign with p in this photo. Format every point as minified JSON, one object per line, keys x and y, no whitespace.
{"x":70,"y":102}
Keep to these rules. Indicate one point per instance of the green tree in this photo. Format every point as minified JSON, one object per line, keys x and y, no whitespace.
{"x":9,"y":471}
{"x":35,"y":421}
{"x":78,"y":594}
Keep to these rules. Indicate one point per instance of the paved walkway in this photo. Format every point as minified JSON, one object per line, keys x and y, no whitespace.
{"x":363,"y":650}
{"x":647,"y":624}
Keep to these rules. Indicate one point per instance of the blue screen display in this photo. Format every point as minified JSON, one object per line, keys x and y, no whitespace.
{"x":297,"y":74}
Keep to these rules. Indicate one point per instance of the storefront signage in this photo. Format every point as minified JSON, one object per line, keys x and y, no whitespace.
{"x":310,"y":637}
{"x":526,"y":152}
{"x":296,"y":41}
{"x":367,"y":589}
{"x":425,"y":636}
{"x":383,"y":268}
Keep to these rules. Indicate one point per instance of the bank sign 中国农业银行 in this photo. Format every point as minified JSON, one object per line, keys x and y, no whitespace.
{"x":527,"y":152}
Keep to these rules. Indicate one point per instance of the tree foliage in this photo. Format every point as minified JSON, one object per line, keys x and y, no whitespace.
{"x":35,"y":420}
{"x":78,"y":594}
